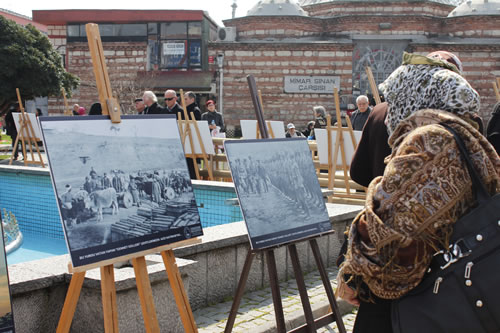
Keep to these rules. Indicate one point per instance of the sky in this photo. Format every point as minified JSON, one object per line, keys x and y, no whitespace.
{"x":218,"y":9}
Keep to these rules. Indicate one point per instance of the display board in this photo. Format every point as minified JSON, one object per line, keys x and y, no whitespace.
{"x":34,"y":124}
{"x":249,"y":128}
{"x":322,"y":141}
{"x":121,"y":188}
{"x":205,"y":137}
{"x":6,"y":316}
{"x":278,"y":190}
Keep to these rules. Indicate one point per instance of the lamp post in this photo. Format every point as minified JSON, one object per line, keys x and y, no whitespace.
{"x":220,"y":64}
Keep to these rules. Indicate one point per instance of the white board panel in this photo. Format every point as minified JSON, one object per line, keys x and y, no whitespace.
{"x":205,"y":137}
{"x":249,"y":128}
{"x":322,"y":141}
{"x":34,"y":124}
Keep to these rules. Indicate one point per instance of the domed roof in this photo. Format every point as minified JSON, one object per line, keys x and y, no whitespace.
{"x":477,"y":7}
{"x":276,"y":8}
{"x":313,"y":2}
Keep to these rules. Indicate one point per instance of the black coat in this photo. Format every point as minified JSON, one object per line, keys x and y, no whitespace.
{"x":176,"y":110}
{"x":214,"y":117}
{"x":154,"y":109}
{"x":194,"y":109}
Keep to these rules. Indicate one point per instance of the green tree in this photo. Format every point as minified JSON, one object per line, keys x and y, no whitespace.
{"x":29,"y":62}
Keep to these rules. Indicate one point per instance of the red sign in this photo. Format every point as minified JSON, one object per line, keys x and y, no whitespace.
{"x":211,"y":60}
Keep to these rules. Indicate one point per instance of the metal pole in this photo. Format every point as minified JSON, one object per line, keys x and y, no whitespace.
{"x":221,"y":90}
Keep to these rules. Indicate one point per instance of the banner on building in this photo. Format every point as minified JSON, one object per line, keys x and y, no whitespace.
{"x":311,"y":84}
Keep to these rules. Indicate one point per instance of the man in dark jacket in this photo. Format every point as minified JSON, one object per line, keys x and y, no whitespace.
{"x":151,"y":102}
{"x":191,"y":105}
{"x":11,"y":129}
{"x":213,"y":117}
{"x":171,"y":105}
{"x":358,"y":117}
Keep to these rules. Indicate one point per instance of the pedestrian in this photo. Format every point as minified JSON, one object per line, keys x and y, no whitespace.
{"x":359,"y":116}
{"x":191,"y":106}
{"x":139,"y":105}
{"x":292,"y":133}
{"x":151,"y":101}
{"x":410,"y":211}
{"x":309,"y":128}
{"x":320,"y":121}
{"x":214,"y":118}
{"x":11,"y":129}
{"x":493,"y":128}
{"x":171,"y":105}
{"x":95,"y":109}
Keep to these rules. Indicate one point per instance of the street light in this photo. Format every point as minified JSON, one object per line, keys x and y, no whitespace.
{"x":220,"y":64}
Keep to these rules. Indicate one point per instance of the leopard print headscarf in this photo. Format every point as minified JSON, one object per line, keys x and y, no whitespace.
{"x":415,"y":87}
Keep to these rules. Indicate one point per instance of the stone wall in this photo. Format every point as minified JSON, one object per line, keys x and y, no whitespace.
{"x":269,"y":63}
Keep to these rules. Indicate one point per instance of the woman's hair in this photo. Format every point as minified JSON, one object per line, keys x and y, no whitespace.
{"x":150,"y":94}
{"x":95,"y":109}
{"x":320,"y":110}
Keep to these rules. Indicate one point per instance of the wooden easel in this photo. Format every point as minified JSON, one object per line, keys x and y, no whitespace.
{"x":269,"y":127}
{"x":311,"y":323}
{"x":185,"y":131}
{"x":349,"y":196}
{"x":496,"y":89}
{"x":67,"y":110}
{"x":26,"y":134}
{"x":108,"y":289}
{"x":373,"y":85}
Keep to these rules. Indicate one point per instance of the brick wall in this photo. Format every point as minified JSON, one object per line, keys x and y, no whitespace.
{"x":269,"y":63}
{"x":349,"y":8}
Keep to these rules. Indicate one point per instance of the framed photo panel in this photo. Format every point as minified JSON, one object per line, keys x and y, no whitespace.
{"x":121,"y":188}
{"x":6,"y":316}
{"x":278,"y":190}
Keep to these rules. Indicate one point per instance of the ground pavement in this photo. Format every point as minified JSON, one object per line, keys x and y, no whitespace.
{"x":256,"y":312}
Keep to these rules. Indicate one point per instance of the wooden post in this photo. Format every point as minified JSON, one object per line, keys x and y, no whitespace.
{"x":69,"y":307}
{"x":109,"y":307}
{"x":145,"y":295}
{"x":174,"y":276}
{"x":109,"y":104}
{"x":373,"y":85}
{"x":26,"y":135}
{"x":67,"y":110}
{"x":496,"y":90}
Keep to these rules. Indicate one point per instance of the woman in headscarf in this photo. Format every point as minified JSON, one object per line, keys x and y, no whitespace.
{"x":410,"y":211}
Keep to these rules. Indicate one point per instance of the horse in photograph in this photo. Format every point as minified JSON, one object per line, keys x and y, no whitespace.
{"x":103,"y":199}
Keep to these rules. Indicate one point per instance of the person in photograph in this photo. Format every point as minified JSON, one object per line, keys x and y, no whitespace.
{"x":214,"y":118}
{"x":117,"y":182}
{"x":106,"y":181}
{"x":134,"y":191}
{"x":292,"y":133}
{"x":151,"y":101}
{"x":171,"y":105}
{"x":191,"y":106}
{"x":139,"y":105}
{"x":358,"y":117}
{"x":87,"y":185}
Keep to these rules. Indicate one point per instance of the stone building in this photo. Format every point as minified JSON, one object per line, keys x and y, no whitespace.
{"x":144,"y":50}
{"x":283,"y":44}
{"x":297,"y":51}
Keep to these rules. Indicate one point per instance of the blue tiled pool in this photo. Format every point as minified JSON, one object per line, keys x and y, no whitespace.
{"x":28,"y":193}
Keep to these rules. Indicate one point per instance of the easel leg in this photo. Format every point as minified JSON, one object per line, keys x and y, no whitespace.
{"x":275,"y":289}
{"x":145,"y":295}
{"x":14,"y":148}
{"x":108,"y":291}
{"x":69,"y":307}
{"x":239,"y":291}
{"x":327,"y":285}
{"x":299,"y":277}
{"x":179,"y":292}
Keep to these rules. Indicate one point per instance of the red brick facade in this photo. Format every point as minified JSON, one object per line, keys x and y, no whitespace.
{"x":328,"y":42}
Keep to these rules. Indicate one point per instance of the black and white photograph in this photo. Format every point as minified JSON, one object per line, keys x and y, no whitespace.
{"x":278,"y":190}
{"x":6,"y":318}
{"x":121,"y":188}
